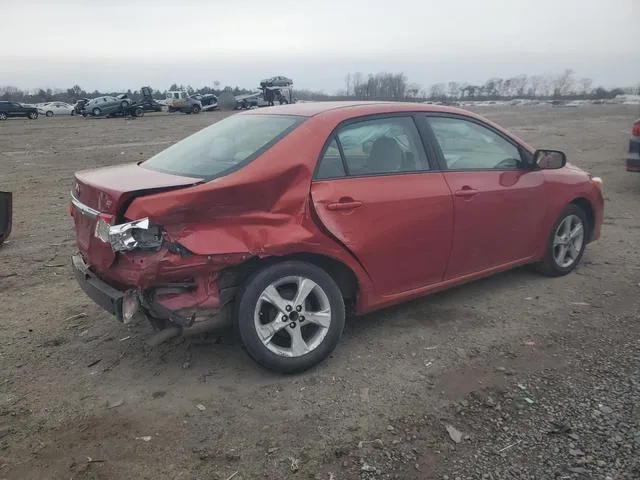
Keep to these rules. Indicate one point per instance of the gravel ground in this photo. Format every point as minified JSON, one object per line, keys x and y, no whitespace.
{"x":536,"y":378}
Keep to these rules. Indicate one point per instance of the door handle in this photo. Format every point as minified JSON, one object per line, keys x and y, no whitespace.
{"x":466,"y":192}
{"x":344,"y":204}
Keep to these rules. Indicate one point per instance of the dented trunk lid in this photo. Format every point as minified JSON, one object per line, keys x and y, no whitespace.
{"x":105,"y":193}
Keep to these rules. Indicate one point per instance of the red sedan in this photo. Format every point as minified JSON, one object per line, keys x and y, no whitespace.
{"x":282,"y":219}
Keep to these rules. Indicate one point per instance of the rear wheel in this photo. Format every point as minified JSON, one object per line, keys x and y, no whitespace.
{"x":195,"y":109}
{"x":3,"y":116}
{"x":96,"y":112}
{"x":138,"y":112}
{"x":566,"y":243}
{"x":290,"y":316}
{"x":124,"y":104}
{"x":33,"y":115}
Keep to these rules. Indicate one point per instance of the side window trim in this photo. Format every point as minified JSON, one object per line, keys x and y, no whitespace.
{"x":342,"y":157}
{"x":438,"y":149}
{"x":429,"y":152}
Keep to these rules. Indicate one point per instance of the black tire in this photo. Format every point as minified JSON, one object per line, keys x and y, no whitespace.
{"x":33,"y":115}
{"x":138,"y":112}
{"x":195,"y":109}
{"x":73,"y":113}
{"x":96,"y":112}
{"x":247,"y":302}
{"x":124,"y":104}
{"x":549,"y":266}
{"x":49,"y":113}
{"x":3,"y":116}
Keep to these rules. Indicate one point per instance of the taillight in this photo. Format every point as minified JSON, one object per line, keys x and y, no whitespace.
{"x":636,"y":129}
{"x":103,"y":224}
{"x":128,"y":236}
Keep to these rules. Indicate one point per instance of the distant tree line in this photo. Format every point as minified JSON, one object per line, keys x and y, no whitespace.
{"x":379,"y":86}
{"x":395,"y":86}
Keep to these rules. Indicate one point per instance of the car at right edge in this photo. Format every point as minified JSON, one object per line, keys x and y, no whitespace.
{"x":280,"y":220}
{"x":633,"y":158}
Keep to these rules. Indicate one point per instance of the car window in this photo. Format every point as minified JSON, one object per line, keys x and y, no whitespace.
{"x":331,"y":165}
{"x":467,"y":145}
{"x":381,"y":146}
{"x":223,"y":146}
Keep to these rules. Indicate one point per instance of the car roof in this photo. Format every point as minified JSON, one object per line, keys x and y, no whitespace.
{"x":352,"y":108}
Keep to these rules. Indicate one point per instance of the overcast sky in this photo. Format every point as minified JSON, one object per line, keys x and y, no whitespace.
{"x":117,"y":45}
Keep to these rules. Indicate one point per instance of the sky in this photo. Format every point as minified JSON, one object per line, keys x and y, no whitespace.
{"x":117,"y":45}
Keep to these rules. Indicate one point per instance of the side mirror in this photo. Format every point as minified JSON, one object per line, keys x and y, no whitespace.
{"x":549,"y":159}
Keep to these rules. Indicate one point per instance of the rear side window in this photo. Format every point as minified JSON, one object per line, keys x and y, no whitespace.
{"x":380,"y":146}
{"x":331,"y":165}
{"x":224,"y":146}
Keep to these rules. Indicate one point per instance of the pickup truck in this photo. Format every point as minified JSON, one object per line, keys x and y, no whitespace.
{"x":180,"y":101}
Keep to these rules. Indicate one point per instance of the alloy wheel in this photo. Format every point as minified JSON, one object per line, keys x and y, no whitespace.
{"x":292,"y":316}
{"x":568,"y":240}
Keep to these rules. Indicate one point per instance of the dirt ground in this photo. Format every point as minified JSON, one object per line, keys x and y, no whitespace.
{"x":504,"y":360}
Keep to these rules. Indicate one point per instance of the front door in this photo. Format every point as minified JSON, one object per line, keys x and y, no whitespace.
{"x":375,"y":192}
{"x":498,"y":200}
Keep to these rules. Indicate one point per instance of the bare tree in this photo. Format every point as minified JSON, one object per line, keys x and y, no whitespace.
{"x":563,"y":83}
{"x":585,"y":85}
{"x":454,"y":89}
{"x":437,"y":91}
{"x":347,"y":84}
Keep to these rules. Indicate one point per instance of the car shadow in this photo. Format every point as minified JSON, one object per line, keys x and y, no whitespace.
{"x":223,"y":351}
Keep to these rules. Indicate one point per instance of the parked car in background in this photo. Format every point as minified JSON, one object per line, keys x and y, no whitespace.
{"x":209,"y":101}
{"x":148,"y":103}
{"x":105,"y":106}
{"x":79,"y":106}
{"x":264,"y":220}
{"x":56,"y":108}
{"x":180,"y":101}
{"x":633,"y":158}
{"x":15,"y":109}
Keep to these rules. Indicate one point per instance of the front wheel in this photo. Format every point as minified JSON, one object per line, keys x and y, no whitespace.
{"x":566,"y":243}
{"x":290,"y":316}
{"x":33,"y":115}
{"x":195,"y":109}
{"x":3,"y":116}
{"x":96,"y":112}
{"x":49,"y":113}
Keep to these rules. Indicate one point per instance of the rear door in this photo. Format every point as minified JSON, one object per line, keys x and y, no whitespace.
{"x":499,"y":202}
{"x":378,"y":195}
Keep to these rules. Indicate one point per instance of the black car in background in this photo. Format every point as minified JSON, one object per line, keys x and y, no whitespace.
{"x":15,"y":109}
{"x":148,"y":103}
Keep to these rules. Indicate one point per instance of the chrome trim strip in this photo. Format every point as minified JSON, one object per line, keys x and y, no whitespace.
{"x":82,"y":208}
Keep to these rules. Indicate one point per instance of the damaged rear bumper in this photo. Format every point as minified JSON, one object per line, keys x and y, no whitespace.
{"x":100,"y":292}
{"x":124,"y":305}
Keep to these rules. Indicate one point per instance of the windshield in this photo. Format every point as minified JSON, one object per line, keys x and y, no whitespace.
{"x":224,"y":146}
